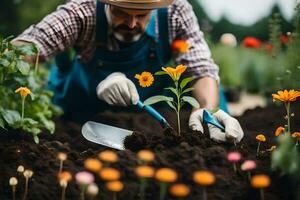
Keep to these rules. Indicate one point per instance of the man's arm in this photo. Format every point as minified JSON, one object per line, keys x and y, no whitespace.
{"x":70,"y":24}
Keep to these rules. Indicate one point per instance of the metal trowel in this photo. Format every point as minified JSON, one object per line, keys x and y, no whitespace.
{"x":113,"y":137}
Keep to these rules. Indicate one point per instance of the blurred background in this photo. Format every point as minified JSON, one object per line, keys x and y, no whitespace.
{"x":255,"y":42}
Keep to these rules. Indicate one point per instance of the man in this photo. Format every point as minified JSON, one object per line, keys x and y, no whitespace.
{"x":116,"y":39}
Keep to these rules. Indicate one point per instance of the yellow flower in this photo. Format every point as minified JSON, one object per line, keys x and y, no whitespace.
{"x":166,"y":175}
{"x":145,"y":79}
{"x":286,"y":96}
{"x":296,"y":135}
{"x":24,"y":91}
{"x":261,"y":138}
{"x":175,"y":73}
{"x":146,"y":155}
{"x":108,"y":156}
{"x":144,"y":171}
{"x":179,"y":190}
{"x":279,"y":130}
{"x":180,"y":45}
{"x":204,"y":178}
{"x":260,"y":181}
{"x":114,"y":186}
{"x":109,"y":174}
{"x":93,"y":165}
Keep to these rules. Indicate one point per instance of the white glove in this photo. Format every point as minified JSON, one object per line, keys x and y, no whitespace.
{"x":117,"y":90}
{"x":233,"y":129}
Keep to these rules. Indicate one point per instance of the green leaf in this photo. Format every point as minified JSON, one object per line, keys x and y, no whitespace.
{"x":187,"y":90}
{"x":156,"y":99}
{"x":36,"y":139}
{"x":191,"y":100}
{"x":172,"y":90}
{"x":23,"y":67}
{"x":160,"y":73}
{"x":185,"y":81}
{"x":4,"y":62}
{"x":50,"y":125}
{"x":1,"y":123}
{"x":171,"y":105}
{"x":32,"y":96}
{"x":11,"y":116}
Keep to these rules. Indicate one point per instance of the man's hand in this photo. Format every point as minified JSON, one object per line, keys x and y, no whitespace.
{"x":233,"y":130}
{"x":117,"y":90}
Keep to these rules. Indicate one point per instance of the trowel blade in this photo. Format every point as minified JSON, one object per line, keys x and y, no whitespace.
{"x":106,"y":135}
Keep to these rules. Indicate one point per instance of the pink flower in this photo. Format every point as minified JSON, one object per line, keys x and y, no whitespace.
{"x":84,"y":178}
{"x":234,"y":157}
{"x":248,"y":165}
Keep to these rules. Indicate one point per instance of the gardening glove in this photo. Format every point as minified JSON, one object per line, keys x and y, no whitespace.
{"x":233,"y":129}
{"x":117,"y":90}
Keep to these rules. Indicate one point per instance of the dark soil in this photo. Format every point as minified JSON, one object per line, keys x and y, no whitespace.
{"x":193,"y":151}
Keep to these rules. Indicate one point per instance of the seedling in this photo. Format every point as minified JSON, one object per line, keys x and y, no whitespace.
{"x":144,"y":173}
{"x":13,"y":182}
{"x":27,"y":174}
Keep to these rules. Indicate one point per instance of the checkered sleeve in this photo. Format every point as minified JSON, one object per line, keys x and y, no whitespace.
{"x":71,"y":24}
{"x":183,"y":25}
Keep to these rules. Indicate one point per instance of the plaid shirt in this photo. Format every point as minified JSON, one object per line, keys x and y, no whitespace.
{"x":74,"y":24}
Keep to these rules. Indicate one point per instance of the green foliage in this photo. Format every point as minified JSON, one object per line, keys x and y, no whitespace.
{"x":14,"y":73}
{"x":275,"y":34}
{"x":287,"y":157}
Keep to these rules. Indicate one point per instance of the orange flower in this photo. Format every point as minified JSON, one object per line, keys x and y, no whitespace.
{"x":179,"y":190}
{"x":181,"y":46}
{"x":144,"y":171}
{"x":204,"y":178}
{"x":145,"y":79}
{"x":166,"y":175}
{"x":260,"y":181}
{"x":114,"y":186}
{"x":261,"y":138}
{"x":65,"y":176}
{"x":24,"y":91}
{"x":284,"y":39}
{"x":109,"y":174}
{"x":175,"y":73}
{"x":251,"y":42}
{"x":108,"y":156}
{"x":296,"y":135}
{"x":286,"y":96}
{"x":93,"y":165}
{"x":279,"y":130}
{"x":146,"y":155}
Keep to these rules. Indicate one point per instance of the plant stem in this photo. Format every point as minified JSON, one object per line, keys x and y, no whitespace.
{"x":36,"y":62}
{"x":63,"y":194}
{"x":178,"y":107}
{"x":287,"y":107}
{"x":262,"y":197}
{"x":82,"y":188}
{"x":60,"y":166}
{"x":163,"y":189}
{"x":26,"y":188}
{"x":14,"y":192}
{"x":234,"y":168}
{"x":114,"y":196}
{"x":204,"y":194}
{"x":257,"y":151}
{"x":142,"y":189}
{"x":249,"y":176}
{"x":23,"y":107}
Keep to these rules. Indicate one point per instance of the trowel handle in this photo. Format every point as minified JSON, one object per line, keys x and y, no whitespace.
{"x":210,"y":119}
{"x":154,"y":114}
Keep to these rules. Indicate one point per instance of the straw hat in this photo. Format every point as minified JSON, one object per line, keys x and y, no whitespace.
{"x":139,"y":4}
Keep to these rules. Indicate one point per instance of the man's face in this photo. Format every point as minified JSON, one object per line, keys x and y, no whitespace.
{"x":129,"y":24}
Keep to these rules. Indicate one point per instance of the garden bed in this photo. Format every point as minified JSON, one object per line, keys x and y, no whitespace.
{"x":184,"y":154}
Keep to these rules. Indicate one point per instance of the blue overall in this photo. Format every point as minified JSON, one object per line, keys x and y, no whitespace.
{"x":74,"y":83}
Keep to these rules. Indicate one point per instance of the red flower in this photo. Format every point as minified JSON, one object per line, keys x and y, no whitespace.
{"x":268,"y":47}
{"x":251,"y":42}
{"x":284,"y":39}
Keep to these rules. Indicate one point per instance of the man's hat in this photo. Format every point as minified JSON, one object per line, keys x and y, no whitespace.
{"x":139,"y":4}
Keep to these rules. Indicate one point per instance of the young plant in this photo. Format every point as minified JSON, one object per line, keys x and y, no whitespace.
{"x":115,"y":187}
{"x":260,"y":182}
{"x":61,"y":157}
{"x":83,"y":179}
{"x":248,"y":166}
{"x":165,"y":176}
{"x":27,"y":174}
{"x":234,"y":157}
{"x":287,"y":97}
{"x":144,"y":173}
{"x":13,"y":182}
{"x":260,"y":138}
{"x":205,"y":179}
{"x":24,"y":91}
{"x":178,"y":91}
{"x":64,"y":178}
